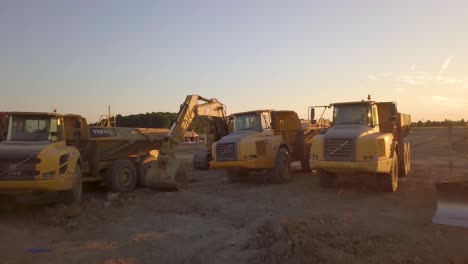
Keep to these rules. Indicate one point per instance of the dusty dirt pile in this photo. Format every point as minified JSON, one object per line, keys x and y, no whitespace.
{"x":293,"y":241}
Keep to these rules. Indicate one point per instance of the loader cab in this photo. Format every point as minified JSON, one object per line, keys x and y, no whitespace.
{"x":34,"y":127}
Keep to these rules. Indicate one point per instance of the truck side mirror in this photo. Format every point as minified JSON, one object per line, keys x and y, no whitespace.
{"x":313,"y":122}
{"x":312,"y":113}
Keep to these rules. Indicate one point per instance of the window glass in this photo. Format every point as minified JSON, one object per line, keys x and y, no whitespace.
{"x":352,"y":114}
{"x":248,"y":121}
{"x":32,"y":128}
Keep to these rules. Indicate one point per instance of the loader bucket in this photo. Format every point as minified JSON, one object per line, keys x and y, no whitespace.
{"x":171,"y":178}
{"x":452,"y":204}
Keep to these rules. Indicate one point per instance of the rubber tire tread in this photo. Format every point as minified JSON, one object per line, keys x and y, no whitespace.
{"x":384,"y":180}
{"x":305,"y":163}
{"x":201,"y":160}
{"x":277,"y":177}
{"x":403,"y":171}
{"x":75,"y":194}
{"x":112,"y":176}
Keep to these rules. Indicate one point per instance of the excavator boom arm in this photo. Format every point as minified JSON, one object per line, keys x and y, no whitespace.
{"x":170,"y":171}
{"x":189,"y":109}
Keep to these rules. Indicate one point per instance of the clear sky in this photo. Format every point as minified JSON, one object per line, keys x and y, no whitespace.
{"x":146,"y":56}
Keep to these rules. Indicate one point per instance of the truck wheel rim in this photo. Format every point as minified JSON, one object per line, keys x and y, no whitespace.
{"x":125,"y":177}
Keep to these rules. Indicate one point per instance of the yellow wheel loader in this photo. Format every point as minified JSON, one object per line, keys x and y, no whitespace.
{"x":366,"y":137}
{"x":263,"y":140}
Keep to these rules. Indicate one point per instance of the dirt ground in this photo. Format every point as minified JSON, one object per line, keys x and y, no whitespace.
{"x":214,"y":221}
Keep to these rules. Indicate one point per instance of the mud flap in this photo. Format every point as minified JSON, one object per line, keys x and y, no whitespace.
{"x":172,"y":178}
{"x":452,"y":204}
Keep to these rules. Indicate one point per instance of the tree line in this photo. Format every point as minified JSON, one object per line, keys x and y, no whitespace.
{"x":444,"y":123}
{"x":165,"y":120}
{"x":158,"y":120}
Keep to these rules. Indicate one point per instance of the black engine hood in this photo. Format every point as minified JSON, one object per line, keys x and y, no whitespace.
{"x":236,"y":136}
{"x":14,"y":151}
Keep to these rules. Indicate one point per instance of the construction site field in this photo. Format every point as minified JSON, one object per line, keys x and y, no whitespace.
{"x":215,"y":221}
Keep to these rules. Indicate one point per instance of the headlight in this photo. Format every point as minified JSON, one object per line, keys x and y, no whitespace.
{"x":49,"y":174}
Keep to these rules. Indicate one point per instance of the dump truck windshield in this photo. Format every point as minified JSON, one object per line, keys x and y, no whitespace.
{"x":352,"y":114}
{"x":32,"y":128}
{"x":251,"y":121}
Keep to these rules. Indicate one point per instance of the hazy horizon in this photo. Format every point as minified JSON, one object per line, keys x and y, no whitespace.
{"x":146,"y":56}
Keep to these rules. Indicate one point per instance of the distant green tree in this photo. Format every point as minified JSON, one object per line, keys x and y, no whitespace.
{"x":150,"y":120}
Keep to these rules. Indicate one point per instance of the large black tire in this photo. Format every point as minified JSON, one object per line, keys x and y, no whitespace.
{"x":305,"y":159}
{"x":146,"y":161}
{"x":404,"y":166}
{"x":409,"y":159}
{"x":201,"y":160}
{"x":237,"y":175}
{"x":121,"y":176}
{"x":388,"y":182}
{"x":327,"y":180}
{"x":75,"y":194}
{"x":282,"y":171}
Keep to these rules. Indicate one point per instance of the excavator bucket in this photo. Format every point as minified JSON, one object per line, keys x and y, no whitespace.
{"x":171,"y":178}
{"x":452,"y":204}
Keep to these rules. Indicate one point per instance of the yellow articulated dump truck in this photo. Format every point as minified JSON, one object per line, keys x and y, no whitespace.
{"x":263,"y":140}
{"x":52,"y":152}
{"x":366,"y":137}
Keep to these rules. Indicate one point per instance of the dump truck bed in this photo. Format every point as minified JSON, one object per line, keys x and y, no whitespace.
{"x":121,"y":143}
{"x":404,"y":122}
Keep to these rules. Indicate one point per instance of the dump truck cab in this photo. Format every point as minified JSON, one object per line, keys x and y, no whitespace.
{"x":262,"y":140}
{"x":34,"y":156}
{"x":366,"y":137}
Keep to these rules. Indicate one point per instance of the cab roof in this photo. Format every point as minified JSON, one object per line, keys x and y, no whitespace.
{"x":253,"y":112}
{"x":363,"y":102}
{"x":39,"y":114}
{"x":355,"y":102}
{"x":32,"y":113}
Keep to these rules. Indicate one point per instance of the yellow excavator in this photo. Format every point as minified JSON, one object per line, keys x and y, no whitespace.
{"x":170,"y":170}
